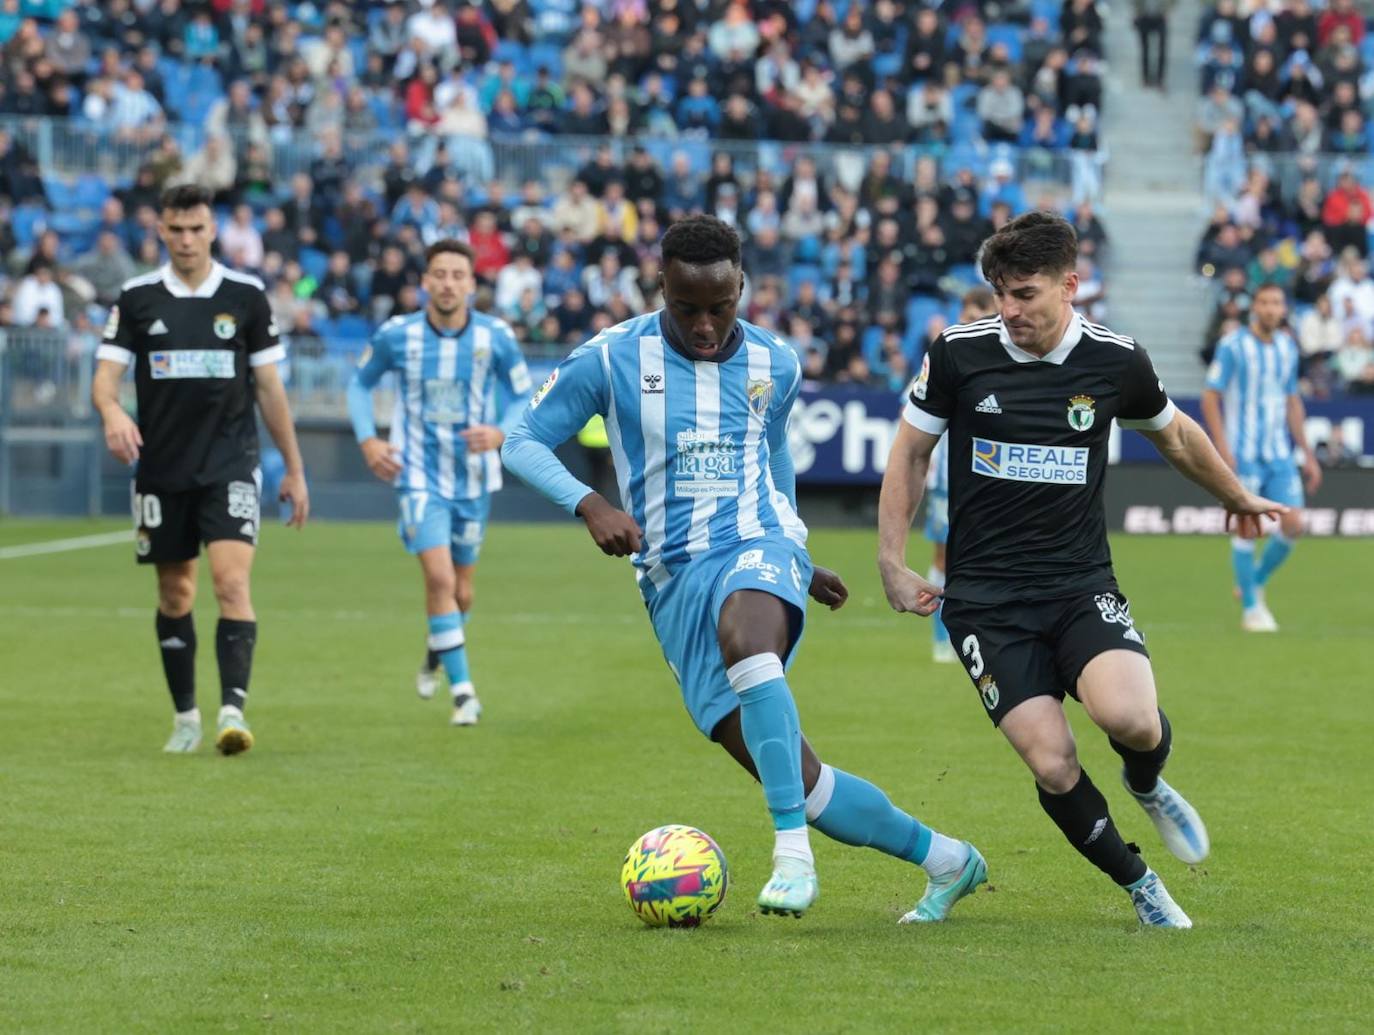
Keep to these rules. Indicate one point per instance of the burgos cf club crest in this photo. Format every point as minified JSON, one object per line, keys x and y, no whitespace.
{"x":760,"y":395}
{"x":225,"y":326}
{"x":987,"y":690}
{"x":1081,"y":413}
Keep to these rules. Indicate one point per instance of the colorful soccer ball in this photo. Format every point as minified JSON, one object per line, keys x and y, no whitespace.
{"x":674,"y":876}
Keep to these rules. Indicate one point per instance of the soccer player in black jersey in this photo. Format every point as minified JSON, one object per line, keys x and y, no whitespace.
{"x":203,"y":345}
{"x":1032,"y":606}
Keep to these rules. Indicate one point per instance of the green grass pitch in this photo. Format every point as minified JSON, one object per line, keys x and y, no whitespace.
{"x":368,"y":868}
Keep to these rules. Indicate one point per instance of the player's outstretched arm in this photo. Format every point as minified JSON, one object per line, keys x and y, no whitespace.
{"x":903,"y":486}
{"x":1188,"y":450}
{"x":276,"y":414}
{"x":561,"y":407}
{"x":1216,"y":425}
{"x":122,"y":437}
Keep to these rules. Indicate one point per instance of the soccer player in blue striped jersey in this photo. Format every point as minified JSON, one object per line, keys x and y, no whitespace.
{"x":977,"y":304}
{"x":1255,"y":370}
{"x":461,"y":386}
{"x":696,"y":405}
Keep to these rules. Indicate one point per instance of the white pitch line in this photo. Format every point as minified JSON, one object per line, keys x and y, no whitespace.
{"x":84,"y":542}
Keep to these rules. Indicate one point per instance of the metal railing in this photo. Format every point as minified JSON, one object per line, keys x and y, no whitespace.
{"x":72,"y":147}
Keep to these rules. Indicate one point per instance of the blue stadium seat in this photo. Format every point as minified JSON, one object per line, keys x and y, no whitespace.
{"x":60,"y":193}
{"x":27,"y":221}
{"x":1047,"y":9}
{"x":91,"y":191}
{"x":1005,"y":32}
{"x":314,"y":262}
{"x":353,"y":329}
{"x":547,"y":55}
{"x":919,"y":310}
{"x":801,"y":273}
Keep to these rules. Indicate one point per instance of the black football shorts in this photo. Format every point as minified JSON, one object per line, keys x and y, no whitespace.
{"x":1013,"y":652}
{"x":171,"y":526}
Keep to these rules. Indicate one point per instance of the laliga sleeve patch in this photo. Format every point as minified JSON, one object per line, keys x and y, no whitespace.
{"x":544,"y":390}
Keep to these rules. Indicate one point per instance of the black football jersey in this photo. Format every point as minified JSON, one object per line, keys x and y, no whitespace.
{"x":1028,"y":453}
{"x":193,"y":354}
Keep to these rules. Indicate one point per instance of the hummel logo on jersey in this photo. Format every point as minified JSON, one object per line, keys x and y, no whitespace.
{"x":653,"y":384}
{"x":158,"y":327}
{"x":988,"y":405}
{"x":172,"y":643}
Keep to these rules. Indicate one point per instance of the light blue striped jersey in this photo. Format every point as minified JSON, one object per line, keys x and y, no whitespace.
{"x":692,"y":441}
{"x":937,"y":474}
{"x":446,"y":383}
{"x":1256,"y":379}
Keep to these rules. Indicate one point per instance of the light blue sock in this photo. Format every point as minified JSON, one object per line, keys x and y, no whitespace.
{"x":937,"y":625}
{"x":772,"y":733}
{"x":1243,"y":562}
{"x":446,"y":639}
{"x":1276,"y":551}
{"x":854,"y":812}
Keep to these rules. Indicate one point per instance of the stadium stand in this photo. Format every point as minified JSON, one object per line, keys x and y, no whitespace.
{"x":1283,"y":120}
{"x":862,"y":149}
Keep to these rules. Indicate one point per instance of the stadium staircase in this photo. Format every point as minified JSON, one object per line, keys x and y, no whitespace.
{"x":1153,"y":199}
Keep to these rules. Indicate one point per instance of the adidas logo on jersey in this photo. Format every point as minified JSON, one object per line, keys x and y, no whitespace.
{"x":988,"y":405}
{"x":158,"y":327}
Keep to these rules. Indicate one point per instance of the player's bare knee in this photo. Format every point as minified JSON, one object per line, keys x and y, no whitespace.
{"x":463,"y":595}
{"x":175,"y":599}
{"x":1054,"y":770}
{"x":1138,"y":729}
{"x":1291,"y":524}
{"x":231,"y":590}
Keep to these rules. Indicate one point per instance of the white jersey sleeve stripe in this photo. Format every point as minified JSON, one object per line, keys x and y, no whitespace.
{"x":1160,"y":420}
{"x":922,"y":421}
{"x":653,"y":423}
{"x":115,"y":354}
{"x":708,"y":427}
{"x":271,"y":354}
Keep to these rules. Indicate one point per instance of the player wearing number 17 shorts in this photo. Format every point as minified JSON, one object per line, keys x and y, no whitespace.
{"x":461,"y":383}
{"x":1032,"y":605}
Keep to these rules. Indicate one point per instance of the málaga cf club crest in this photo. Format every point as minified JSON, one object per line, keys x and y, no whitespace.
{"x":760,"y":395}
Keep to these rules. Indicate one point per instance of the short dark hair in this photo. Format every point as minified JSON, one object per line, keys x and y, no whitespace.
{"x":701,"y":241}
{"x":187,"y":195}
{"x":449,"y":246}
{"x":1033,"y":243}
{"x":1271,"y":286}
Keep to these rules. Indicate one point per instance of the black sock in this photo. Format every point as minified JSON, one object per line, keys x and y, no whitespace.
{"x":1083,"y":817}
{"x":177,"y":638}
{"x":1143,"y":767}
{"x":234,"y":642}
{"x":431,"y":660}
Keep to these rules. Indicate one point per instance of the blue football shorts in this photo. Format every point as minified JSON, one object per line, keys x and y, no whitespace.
{"x":684,"y":614}
{"x":428,"y":520}
{"x":1277,"y":480}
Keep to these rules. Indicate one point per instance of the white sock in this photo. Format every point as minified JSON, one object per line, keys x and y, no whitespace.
{"x":463,"y":690}
{"x":793,"y":844}
{"x":192,"y":716}
{"x":946,"y":856}
{"x":230,"y":710}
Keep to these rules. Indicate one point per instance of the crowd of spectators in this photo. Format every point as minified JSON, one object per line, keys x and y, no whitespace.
{"x":948,"y":108}
{"x":1286,"y":94}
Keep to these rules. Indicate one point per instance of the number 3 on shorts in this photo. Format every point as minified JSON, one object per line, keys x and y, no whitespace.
{"x":970,"y":650}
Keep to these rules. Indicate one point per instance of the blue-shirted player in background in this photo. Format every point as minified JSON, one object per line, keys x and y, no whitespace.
{"x":696,"y":405}
{"x":1256,"y":367}
{"x":446,"y":429}
{"x":977,"y":304}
